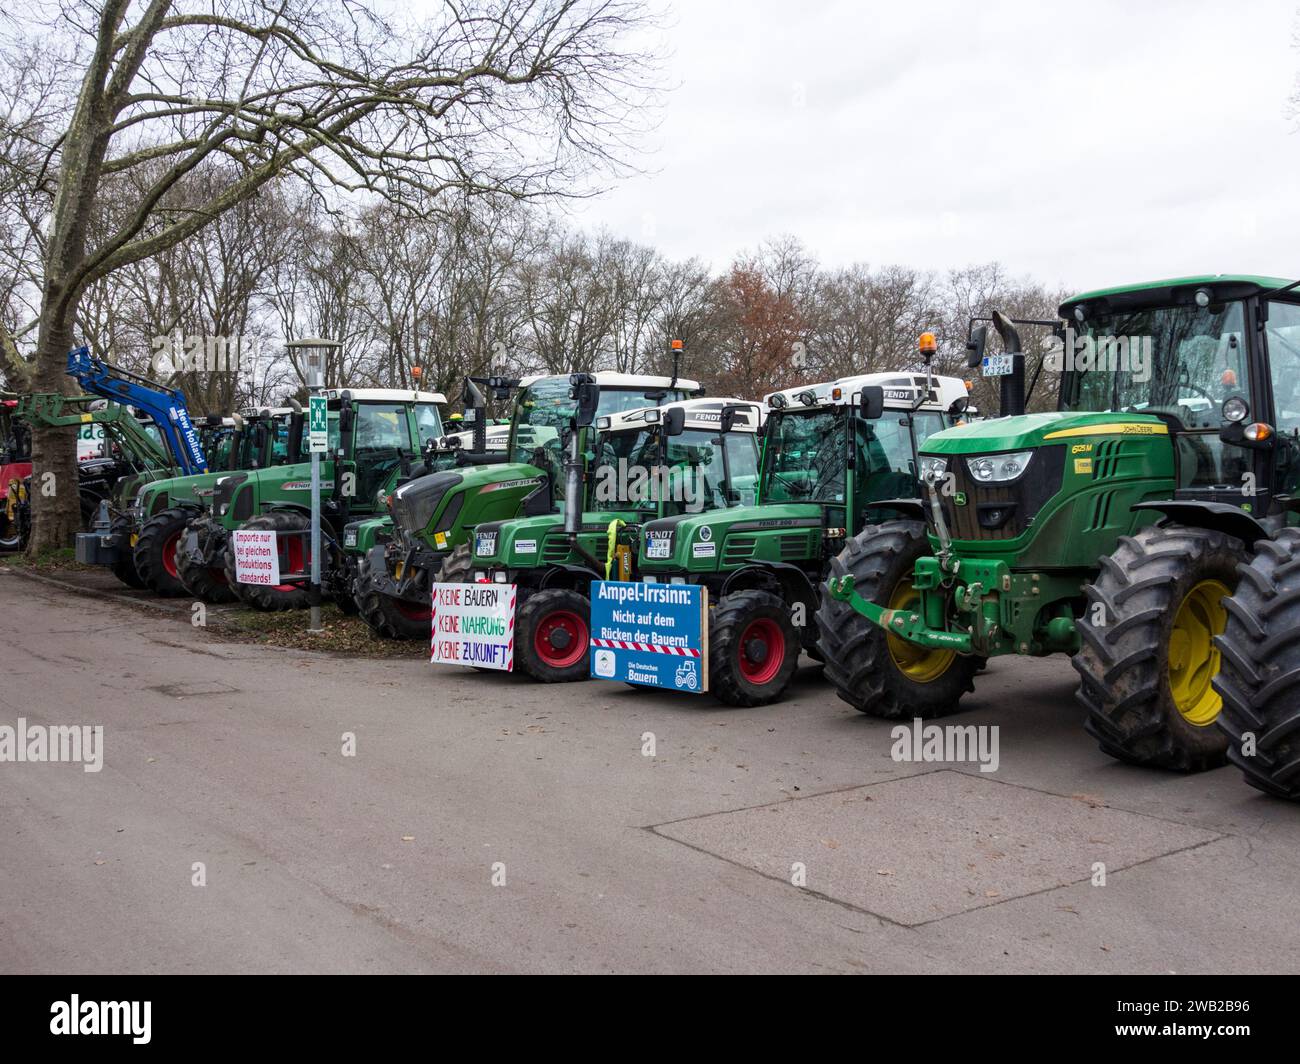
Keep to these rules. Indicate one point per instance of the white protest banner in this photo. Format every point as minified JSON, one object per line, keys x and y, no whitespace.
{"x":257,"y":561}
{"x":474,"y":624}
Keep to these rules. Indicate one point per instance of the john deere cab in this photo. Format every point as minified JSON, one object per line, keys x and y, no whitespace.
{"x":644,"y":464}
{"x":376,"y":435}
{"x":1111,"y":529}
{"x":433,"y":515}
{"x":833,"y":453}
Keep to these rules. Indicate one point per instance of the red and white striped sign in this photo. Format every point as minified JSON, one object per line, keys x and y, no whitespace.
{"x":649,"y":648}
{"x":473,"y":624}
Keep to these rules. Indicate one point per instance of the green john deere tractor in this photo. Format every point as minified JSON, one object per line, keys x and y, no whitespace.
{"x":1113,"y":529}
{"x":375,"y":437}
{"x":833,"y":454}
{"x":644,"y":464}
{"x":432,"y":516}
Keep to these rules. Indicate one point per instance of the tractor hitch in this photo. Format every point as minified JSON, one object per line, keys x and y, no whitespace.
{"x":904,"y":624}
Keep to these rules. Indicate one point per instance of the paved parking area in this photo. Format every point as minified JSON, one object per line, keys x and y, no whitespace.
{"x":485,"y":823}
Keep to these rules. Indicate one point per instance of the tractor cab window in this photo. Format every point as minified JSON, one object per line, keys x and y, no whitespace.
{"x":1183,"y":361}
{"x":1180,"y":361}
{"x":217,"y":448}
{"x":629,"y":477}
{"x":543,"y":412}
{"x":428,"y":423}
{"x":380,"y":439}
{"x":1282,"y":336}
{"x":887,"y":452}
{"x":280,"y":429}
{"x":805,"y":457}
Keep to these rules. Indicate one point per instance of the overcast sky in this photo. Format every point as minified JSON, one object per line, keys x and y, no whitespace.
{"x":1084,"y":144}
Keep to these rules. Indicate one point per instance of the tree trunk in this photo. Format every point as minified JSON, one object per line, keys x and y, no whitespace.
{"x":55,"y":493}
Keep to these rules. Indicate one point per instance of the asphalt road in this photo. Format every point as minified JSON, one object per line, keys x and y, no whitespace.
{"x":605,"y":859}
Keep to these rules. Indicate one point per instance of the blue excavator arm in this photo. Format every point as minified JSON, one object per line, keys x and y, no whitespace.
{"x":166,"y":406}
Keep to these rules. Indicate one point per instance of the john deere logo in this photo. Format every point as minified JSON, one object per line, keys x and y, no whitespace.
{"x":960,"y":498}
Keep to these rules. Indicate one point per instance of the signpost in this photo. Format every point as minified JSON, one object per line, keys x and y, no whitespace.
{"x":474,"y":624}
{"x":655,"y":635}
{"x":315,"y":353}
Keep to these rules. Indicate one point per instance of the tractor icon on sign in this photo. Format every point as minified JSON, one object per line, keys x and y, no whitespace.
{"x":686,"y":676}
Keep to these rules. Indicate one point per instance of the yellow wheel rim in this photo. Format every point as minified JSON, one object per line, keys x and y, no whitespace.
{"x":918,"y":664}
{"x":1193,"y":657}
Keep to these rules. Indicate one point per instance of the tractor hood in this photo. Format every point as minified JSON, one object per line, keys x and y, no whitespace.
{"x":702,"y":542}
{"x":1030,"y":431}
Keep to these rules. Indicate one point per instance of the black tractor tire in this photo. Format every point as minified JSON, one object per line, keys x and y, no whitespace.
{"x":155,"y":551}
{"x":542,"y":620}
{"x":1129,"y":661}
{"x":457,"y":567}
{"x":124,"y":568}
{"x":1260,"y":675}
{"x":207,"y":583}
{"x":753,"y":648}
{"x":269,"y":599}
{"x":864,"y":663}
{"x":389,"y":617}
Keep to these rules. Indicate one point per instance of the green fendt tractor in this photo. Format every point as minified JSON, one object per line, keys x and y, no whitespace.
{"x":1111,"y":529}
{"x":432,"y":516}
{"x":833,"y":454}
{"x":647,"y":463}
{"x":163,"y":510}
{"x":376,"y":435}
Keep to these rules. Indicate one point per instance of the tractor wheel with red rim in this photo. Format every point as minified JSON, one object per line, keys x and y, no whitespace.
{"x":552,"y":636}
{"x":294,"y":555}
{"x":155,"y":551}
{"x":753,"y":648}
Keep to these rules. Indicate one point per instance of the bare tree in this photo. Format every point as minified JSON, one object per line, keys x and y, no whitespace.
{"x":492,"y":96}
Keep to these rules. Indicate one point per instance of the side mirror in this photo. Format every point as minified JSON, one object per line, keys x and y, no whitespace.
{"x":674,"y":421}
{"x":975,"y":344}
{"x":871,"y":403}
{"x":346,"y":416}
{"x":588,"y":396}
{"x":728,"y":416}
{"x":959,"y":406}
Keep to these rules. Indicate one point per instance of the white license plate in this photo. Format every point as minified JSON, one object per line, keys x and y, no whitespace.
{"x":658,"y":548}
{"x":999,"y":365}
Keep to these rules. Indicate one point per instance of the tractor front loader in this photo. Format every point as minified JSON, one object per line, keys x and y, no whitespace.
{"x":1113,"y":529}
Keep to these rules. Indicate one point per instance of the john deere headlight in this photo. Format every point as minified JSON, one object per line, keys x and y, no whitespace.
{"x":999,"y":468}
{"x":933,"y":465}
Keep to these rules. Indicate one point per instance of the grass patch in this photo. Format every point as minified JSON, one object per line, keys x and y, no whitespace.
{"x":342,"y":634}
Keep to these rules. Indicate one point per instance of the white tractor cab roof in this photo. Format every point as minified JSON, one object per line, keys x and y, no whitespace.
{"x":902,"y":390}
{"x":700,"y":414}
{"x":385,"y":395}
{"x":609,"y":379}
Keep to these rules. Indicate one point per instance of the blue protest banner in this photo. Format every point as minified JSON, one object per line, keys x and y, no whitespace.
{"x":650,"y":634}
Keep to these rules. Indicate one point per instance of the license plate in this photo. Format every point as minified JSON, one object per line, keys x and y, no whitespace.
{"x":657,"y":547}
{"x":998,"y":365}
{"x":485,"y":544}
{"x":349,"y":539}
